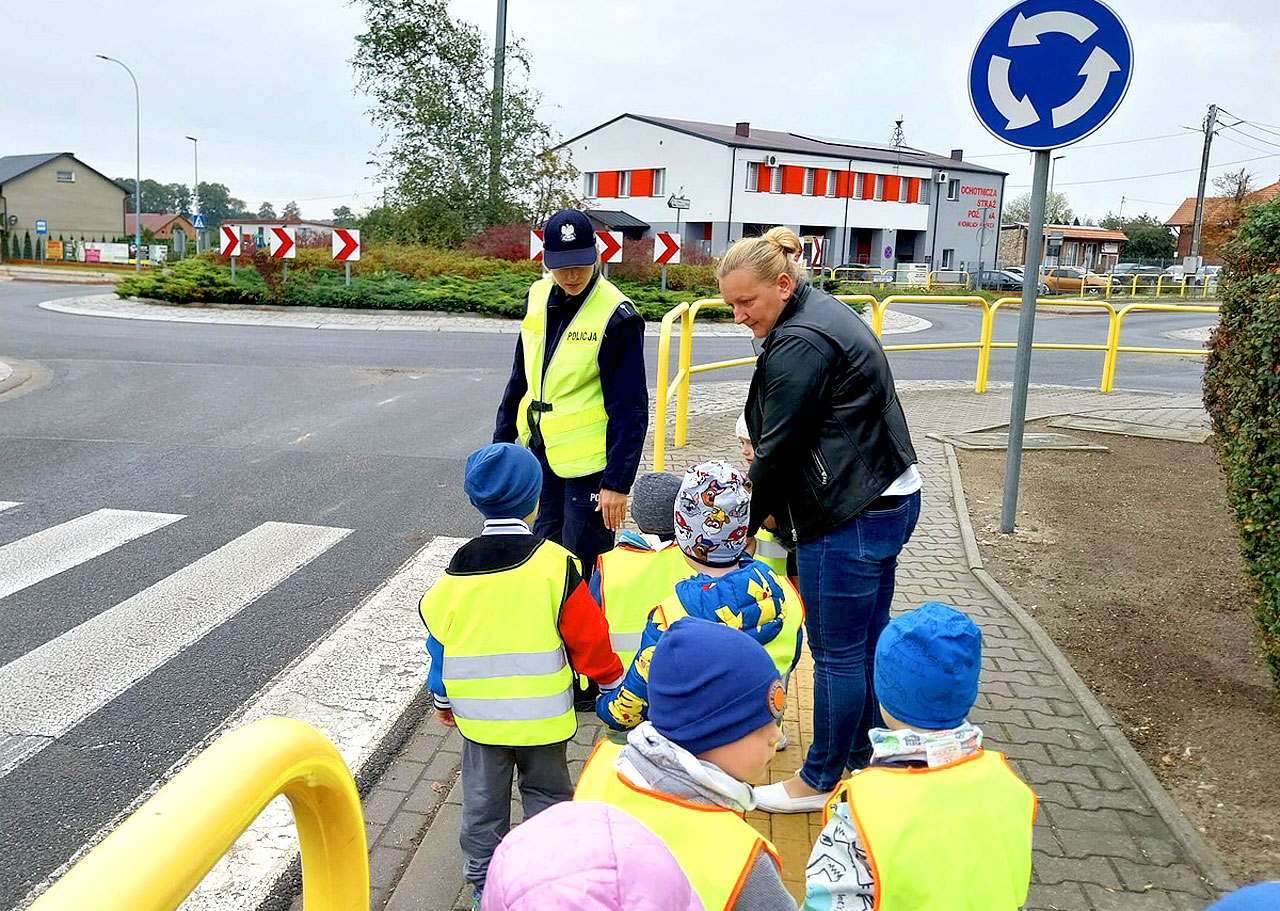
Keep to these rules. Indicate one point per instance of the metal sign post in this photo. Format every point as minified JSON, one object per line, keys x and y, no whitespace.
{"x":679,"y":203}
{"x":1045,"y":74}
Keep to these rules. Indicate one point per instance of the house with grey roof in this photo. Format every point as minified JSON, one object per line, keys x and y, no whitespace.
{"x":71,"y":197}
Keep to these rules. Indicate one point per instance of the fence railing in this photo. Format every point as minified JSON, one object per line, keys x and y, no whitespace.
{"x":686,"y":313}
{"x":157,"y":856}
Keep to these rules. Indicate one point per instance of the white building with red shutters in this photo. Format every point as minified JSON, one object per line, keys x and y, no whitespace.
{"x":873,"y":205}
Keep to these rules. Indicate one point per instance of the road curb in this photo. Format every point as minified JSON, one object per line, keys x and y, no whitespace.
{"x":18,"y":377}
{"x":1199,"y":852}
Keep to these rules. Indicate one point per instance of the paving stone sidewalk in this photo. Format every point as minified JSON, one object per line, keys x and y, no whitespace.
{"x":1106,"y":836}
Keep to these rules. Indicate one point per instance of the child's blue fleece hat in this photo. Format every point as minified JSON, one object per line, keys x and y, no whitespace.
{"x":710,"y":684}
{"x":503,"y":481}
{"x":926,"y":670}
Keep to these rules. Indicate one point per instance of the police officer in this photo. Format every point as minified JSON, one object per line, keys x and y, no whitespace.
{"x":577,"y":396}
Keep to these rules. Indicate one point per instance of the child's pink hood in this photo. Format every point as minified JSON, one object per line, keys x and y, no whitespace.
{"x":586,"y":856}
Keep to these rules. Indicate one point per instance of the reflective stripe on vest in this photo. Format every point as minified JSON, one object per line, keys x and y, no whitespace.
{"x":978,"y":855}
{"x":782,"y":648}
{"x":565,"y":400}
{"x":632,"y":583}
{"x":770,"y":552}
{"x":505,"y":669}
{"x":715,"y":847}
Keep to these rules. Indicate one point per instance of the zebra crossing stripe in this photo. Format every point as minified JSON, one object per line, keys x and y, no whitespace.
{"x":54,"y":550}
{"x":354,"y":686}
{"x":54,"y":687}
{"x":7,"y":504}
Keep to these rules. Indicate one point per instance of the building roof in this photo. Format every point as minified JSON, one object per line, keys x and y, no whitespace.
{"x":154,"y":222}
{"x":1075,"y":232}
{"x":14,"y":166}
{"x":777,"y":141}
{"x":616,"y":220}
{"x":1218,"y":209}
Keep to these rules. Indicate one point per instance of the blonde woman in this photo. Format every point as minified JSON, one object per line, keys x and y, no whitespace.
{"x":835,"y":467}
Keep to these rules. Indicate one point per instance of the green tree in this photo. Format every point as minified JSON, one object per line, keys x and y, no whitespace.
{"x":156,"y":196}
{"x":343,"y":217}
{"x":1148,"y":237}
{"x":27,"y":252}
{"x":267,"y":212}
{"x":15,"y":249}
{"x":428,"y":77}
{"x":1057,"y":210}
{"x":291,"y":212}
{"x":218,"y":205}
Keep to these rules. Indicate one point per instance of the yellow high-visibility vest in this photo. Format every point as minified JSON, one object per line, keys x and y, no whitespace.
{"x":952,"y":838}
{"x":715,"y":847}
{"x":770,"y":552}
{"x":632,"y":583}
{"x":783,"y":647}
{"x":566,"y":401}
{"x":505,"y":668}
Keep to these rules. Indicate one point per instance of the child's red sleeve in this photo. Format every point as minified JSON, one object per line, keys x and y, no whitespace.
{"x":586,"y":634}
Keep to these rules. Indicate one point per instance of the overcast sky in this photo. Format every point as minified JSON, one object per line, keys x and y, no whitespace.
{"x":267,"y":87}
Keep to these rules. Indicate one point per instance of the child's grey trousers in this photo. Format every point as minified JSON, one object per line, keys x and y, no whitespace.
{"x":487,"y":772}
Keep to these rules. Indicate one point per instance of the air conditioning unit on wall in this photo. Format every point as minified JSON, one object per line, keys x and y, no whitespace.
{"x":942,"y":177}
{"x":771,"y":161}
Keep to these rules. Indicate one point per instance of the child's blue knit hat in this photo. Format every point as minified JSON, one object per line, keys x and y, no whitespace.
{"x":926,"y":670}
{"x":503,"y":481}
{"x":710,"y":684}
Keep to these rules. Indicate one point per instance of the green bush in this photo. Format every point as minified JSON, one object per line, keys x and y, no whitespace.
{"x":196,"y":281}
{"x":1242,"y":396}
{"x":26,"y":247}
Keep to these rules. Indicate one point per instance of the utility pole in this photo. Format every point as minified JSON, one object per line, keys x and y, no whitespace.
{"x":1210,"y":122}
{"x":195,"y":205}
{"x":495,"y":132}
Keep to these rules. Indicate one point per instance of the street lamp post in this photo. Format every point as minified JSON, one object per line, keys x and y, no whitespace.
{"x":195,"y":202}
{"x":137,"y":182}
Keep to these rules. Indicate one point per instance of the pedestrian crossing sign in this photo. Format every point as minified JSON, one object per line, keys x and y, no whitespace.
{"x":198,"y":222}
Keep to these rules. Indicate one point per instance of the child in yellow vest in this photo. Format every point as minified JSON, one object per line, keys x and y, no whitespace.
{"x":634,"y":576}
{"x":504,"y":622}
{"x":935,"y":823}
{"x":723,"y":585}
{"x":715,"y":698}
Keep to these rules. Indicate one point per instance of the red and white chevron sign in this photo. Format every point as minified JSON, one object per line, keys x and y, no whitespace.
{"x":535,"y":245}
{"x":346,"y":245}
{"x":283,"y":245}
{"x":818,"y":243}
{"x":666,"y":248}
{"x":609,"y":243}
{"x":230,"y":241}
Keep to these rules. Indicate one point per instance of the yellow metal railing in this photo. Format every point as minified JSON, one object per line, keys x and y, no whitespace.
{"x":157,"y":856}
{"x":1109,"y":368}
{"x":687,"y":313}
{"x":960,"y":279}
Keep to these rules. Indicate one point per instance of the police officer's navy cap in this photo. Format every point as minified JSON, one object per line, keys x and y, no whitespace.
{"x":568,"y":240}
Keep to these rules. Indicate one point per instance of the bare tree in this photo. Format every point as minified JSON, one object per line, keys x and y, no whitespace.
{"x":1235,"y":185}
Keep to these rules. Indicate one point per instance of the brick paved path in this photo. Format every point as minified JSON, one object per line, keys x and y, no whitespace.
{"x":1101,"y":841}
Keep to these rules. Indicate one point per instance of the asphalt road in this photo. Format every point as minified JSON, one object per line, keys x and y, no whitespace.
{"x":235,"y":426}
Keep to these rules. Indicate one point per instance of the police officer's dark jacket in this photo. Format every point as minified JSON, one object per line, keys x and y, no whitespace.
{"x":829,"y":432}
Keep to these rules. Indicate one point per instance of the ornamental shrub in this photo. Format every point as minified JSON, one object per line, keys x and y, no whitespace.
{"x":1242,"y":396}
{"x":26,"y":247}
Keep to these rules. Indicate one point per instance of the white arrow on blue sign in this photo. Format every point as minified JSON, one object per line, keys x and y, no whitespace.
{"x":198,"y":221}
{"x":1048,"y":73}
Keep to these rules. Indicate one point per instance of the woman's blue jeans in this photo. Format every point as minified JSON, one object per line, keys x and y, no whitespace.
{"x":846,"y":580}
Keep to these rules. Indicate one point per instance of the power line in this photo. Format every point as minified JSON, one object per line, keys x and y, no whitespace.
{"x":1243,"y":145}
{"x":1091,"y":145}
{"x":1260,"y":139}
{"x":1222,"y":164}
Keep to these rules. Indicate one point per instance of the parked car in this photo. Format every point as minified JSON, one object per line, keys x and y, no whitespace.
{"x":1006,"y":280}
{"x":1074,"y":280}
{"x":1145,"y":275}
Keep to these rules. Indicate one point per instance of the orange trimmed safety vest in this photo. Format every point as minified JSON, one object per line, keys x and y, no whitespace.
{"x":632,"y":583}
{"x":715,"y":847}
{"x":952,"y":838}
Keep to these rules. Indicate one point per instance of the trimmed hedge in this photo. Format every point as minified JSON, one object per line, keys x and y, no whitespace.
{"x":1242,"y":396}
